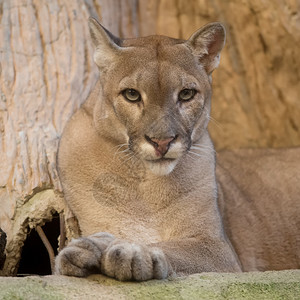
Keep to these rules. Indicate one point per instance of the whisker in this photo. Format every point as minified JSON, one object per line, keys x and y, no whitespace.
{"x":197,"y":154}
{"x":204,"y":146}
{"x":130,"y":156}
{"x":207,"y":155}
{"x":122,"y":156}
{"x":191,"y":157}
{"x":121,"y":145}
{"x":203,"y":149}
{"x":133,"y":160}
{"x":124,"y":151}
{"x":127,"y":155}
{"x":119,"y":149}
{"x":213,"y":120}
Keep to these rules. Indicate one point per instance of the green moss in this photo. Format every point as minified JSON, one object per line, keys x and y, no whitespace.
{"x":162,"y":289}
{"x":29,"y":290}
{"x":260,"y":291}
{"x":153,"y":291}
{"x":213,"y":287}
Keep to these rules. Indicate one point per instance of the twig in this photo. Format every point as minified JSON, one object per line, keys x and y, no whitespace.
{"x":48,"y":246}
{"x":62,"y":228}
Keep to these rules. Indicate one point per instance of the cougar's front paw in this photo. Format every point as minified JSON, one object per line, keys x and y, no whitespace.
{"x":82,"y":256}
{"x":128,"y":261}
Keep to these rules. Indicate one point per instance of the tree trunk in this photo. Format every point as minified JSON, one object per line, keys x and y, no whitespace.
{"x":47,"y":71}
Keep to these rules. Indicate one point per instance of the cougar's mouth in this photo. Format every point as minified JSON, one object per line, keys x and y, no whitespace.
{"x":161,"y":160}
{"x":161,"y":166}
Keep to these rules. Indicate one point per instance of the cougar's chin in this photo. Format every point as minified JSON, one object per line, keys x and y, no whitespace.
{"x":162,"y":166}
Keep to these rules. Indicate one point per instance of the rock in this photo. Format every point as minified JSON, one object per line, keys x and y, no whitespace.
{"x":267,"y":285}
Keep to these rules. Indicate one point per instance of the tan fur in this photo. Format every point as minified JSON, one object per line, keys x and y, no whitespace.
{"x":260,"y":203}
{"x":163,"y":215}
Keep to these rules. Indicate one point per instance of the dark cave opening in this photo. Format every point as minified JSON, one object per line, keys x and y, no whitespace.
{"x":35,"y":259}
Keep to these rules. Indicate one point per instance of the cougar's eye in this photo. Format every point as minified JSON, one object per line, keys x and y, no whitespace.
{"x":186,"y":95}
{"x":131,"y":95}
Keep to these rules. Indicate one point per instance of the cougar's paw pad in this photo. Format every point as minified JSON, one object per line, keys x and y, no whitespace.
{"x":128,"y":261}
{"x":160,"y":264}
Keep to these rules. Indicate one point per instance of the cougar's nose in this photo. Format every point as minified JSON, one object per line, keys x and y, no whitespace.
{"x":161,"y":146}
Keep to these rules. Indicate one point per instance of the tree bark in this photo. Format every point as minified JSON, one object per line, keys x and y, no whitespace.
{"x":47,"y":71}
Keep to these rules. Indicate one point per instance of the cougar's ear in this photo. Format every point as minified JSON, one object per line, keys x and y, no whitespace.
{"x":107,"y":45}
{"x":207,"y":43}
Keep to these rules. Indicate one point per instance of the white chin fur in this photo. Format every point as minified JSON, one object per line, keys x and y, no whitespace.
{"x":161,"y":168}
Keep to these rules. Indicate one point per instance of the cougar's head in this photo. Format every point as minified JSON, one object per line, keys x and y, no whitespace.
{"x":155,"y":91}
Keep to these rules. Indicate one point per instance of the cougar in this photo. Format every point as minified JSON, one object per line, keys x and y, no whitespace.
{"x":138,"y":170}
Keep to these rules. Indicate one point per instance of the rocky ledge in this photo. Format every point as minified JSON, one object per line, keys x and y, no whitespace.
{"x":254,"y":285}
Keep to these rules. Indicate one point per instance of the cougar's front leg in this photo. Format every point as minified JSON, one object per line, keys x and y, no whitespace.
{"x":195,"y":255}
